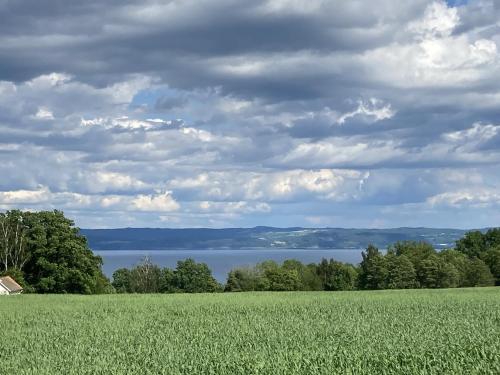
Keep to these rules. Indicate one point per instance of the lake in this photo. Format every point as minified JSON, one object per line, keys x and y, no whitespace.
{"x":222,"y":261}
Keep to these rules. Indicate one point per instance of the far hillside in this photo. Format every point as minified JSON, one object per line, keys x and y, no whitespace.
{"x":264,"y":237}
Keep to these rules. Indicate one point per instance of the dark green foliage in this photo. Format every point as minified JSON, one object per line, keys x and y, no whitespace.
{"x":337,"y":275}
{"x":484,"y":257}
{"x":478,"y":274}
{"x":400,"y":272}
{"x":415,"y":251}
{"x":188,"y":277}
{"x":436,"y":273}
{"x":166,"y":281}
{"x":459,"y":261}
{"x":475,"y":244}
{"x":145,"y":277}
{"x":46,"y":254}
{"x":492,"y":259}
{"x":121,"y":280}
{"x":243,"y":280}
{"x":281,"y":279}
{"x":270,"y":276}
{"x":18,"y":276}
{"x":192,"y":277}
{"x":60,"y":260}
{"x":308,"y":278}
{"x":373,"y":269}
{"x":428,"y":273}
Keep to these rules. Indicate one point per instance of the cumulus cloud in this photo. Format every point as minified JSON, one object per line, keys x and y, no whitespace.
{"x":158,"y":203}
{"x":483,"y":197}
{"x":438,"y":20}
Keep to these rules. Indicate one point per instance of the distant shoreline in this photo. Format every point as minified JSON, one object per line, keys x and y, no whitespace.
{"x":264,"y":238}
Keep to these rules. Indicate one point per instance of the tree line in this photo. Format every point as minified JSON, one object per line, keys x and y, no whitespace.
{"x":146,"y":277}
{"x":474,"y":262}
{"x":45,"y":253}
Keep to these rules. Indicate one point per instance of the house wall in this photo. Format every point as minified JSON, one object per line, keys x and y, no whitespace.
{"x":3,"y":290}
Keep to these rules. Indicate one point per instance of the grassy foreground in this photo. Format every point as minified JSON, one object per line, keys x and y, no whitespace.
{"x":392,"y":332}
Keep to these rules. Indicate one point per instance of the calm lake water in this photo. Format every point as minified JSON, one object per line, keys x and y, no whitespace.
{"x":221,"y":261}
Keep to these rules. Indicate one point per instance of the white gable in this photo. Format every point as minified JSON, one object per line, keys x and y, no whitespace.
{"x":3,"y":290}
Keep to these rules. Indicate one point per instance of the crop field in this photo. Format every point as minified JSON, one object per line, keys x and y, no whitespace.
{"x":388,"y":332}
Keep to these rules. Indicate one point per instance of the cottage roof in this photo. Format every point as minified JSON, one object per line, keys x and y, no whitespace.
{"x":10,"y":284}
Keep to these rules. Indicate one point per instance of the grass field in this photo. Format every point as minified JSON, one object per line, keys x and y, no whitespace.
{"x":388,"y":332}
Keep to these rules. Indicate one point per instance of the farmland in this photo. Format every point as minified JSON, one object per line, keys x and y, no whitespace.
{"x":393,"y":332}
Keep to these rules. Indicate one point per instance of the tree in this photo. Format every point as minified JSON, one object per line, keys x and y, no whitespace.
{"x":415,"y":251}
{"x":492,"y":238}
{"x":478,"y":274}
{"x":428,"y":273}
{"x":400,"y":272}
{"x":482,"y":250}
{"x":13,"y":253}
{"x":145,"y":277}
{"x":436,"y":273}
{"x":122,"y":280}
{"x":308,"y":278}
{"x":192,"y":277}
{"x":281,"y":279}
{"x":337,"y":275}
{"x":167,"y":281}
{"x":244,"y":279}
{"x":233,"y":283}
{"x":492,"y":259}
{"x":449,"y":277}
{"x":473,"y":244}
{"x":18,"y":275}
{"x":60,"y":260}
{"x":373,"y":269}
{"x":459,"y":261}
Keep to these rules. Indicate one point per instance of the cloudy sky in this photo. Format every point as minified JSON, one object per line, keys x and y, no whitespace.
{"x":225,"y":113}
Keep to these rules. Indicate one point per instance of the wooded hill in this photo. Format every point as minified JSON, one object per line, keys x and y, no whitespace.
{"x":264,"y":237}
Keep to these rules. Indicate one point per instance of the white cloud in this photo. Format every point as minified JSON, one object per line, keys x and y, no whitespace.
{"x":438,"y":21}
{"x":49,"y":81}
{"x":124,"y":122}
{"x":476,"y":134}
{"x":24,"y":196}
{"x":271,"y":186}
{"x":239,"y":207}
{"x":292,"y":6}
{"x":339,"y":151}
{"x":110,"y":201}
{"x":43,"y":198}
{"x":163,"y":202}
{"x":476,"y":197}
{"x":373,"y":109}
{"x":44,"y":114}
{"x":103,"y":181}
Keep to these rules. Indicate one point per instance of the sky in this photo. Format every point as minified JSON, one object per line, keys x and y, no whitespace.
{"x":228,"y":113}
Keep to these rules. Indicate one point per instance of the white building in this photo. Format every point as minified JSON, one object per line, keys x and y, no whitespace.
{"x":9,"y":286}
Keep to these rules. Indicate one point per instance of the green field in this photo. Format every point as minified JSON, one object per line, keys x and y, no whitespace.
{"x":393,"y":332}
